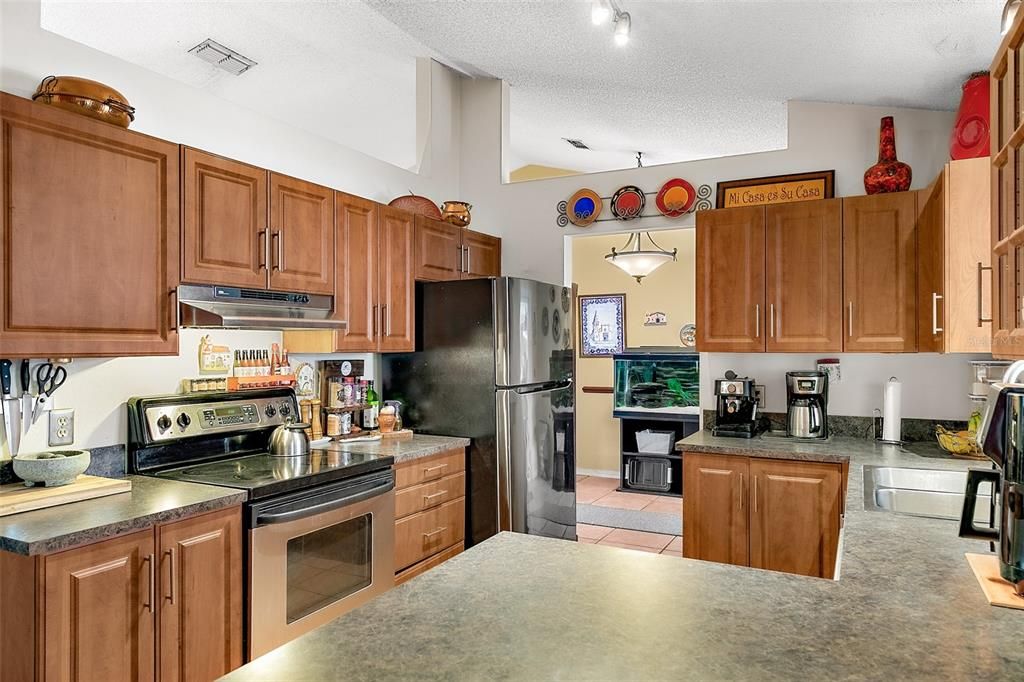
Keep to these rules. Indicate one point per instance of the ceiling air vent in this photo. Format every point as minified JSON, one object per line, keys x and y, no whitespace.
{"x":579,"y":144}
{"x":213,"y":52}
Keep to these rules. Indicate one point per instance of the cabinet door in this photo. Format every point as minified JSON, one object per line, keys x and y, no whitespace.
{"x":301,"y":236}
{"x":804,"y":281}
{"x":200,"y":596}
{"x":89,"y":236}
{"x":931,"y":265}
{"x":730,"y":280}
{"x":482,"y":254}
{"x":715,"y":508}
{"x":225,"y":221}
{"x":397,"y":295}
{"x":968,"y":252}
{"x":438,"y":250}
{"x":794,"y":516}
{"x":880,"y":272}
{"x":355,"y":294}
{"x":99,"y":604}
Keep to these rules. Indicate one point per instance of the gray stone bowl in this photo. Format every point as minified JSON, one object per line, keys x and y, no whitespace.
{"x":58,"y":467}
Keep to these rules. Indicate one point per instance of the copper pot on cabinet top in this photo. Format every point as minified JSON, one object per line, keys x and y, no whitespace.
{"x":88,"y":97}
{"x":456,"y":212}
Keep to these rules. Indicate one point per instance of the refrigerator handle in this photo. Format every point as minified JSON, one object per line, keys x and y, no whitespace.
{"x":543,"y":388}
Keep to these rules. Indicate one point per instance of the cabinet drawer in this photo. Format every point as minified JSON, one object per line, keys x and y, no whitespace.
{"x":429,"y":495}
{"x":427,"y":564}
{"x":421,"y":535}
{"x":429,"y":468}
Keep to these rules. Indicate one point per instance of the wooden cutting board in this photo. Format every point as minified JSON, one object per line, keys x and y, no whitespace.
{"x":997,"y":591}
{"x":16,"y":498}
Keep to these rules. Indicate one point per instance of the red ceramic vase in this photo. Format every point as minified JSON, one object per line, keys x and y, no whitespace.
{"x":970,"y":136}
{"x":889,"y":174}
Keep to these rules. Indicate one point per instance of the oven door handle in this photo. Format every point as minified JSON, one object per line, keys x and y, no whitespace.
{"x":271,"y":517}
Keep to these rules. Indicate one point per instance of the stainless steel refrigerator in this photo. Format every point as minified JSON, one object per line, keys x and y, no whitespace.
{"x":494,"y":363}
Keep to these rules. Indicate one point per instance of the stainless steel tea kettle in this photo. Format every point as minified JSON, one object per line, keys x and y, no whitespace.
{"x":289,"y":440}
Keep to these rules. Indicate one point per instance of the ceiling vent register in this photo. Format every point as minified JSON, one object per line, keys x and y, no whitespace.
{"x":223,"y":57}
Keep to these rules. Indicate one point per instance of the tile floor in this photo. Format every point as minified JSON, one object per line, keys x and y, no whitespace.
{"x":602,"y":492}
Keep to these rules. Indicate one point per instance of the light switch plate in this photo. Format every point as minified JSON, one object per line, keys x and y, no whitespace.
{"x":62,"y":427}
{"x":759,"y":392}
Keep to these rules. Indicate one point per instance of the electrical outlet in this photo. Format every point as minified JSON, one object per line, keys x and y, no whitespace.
{"x":759,"y":394}
{"x":62,"y":427}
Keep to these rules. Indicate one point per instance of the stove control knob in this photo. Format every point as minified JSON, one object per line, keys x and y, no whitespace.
{"x":270,"y":411}
{"x":164,"y":422}
{"x":184,"y":420}
{"x":285,"y":410}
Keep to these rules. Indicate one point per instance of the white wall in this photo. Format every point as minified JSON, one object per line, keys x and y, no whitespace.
{"x":934,"y":386}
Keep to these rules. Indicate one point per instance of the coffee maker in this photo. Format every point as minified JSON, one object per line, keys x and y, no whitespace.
{"x":736,"y":413}
{"x":807,"y":401}
{"x":1002,"y":439}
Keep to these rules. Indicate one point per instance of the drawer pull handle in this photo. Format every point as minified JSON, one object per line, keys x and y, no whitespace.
{"x":151,"y":588}
{"x":428,"y":498}
{"x":427,"y":536}
{"x":427,"y":471}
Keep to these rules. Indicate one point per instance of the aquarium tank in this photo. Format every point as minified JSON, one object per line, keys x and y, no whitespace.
{"x":656,"y":381}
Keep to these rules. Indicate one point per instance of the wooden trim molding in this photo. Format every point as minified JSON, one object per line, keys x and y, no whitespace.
{"x":598,"y":389}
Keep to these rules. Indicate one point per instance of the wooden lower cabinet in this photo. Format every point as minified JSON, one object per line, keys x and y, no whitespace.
{"x":775,"y":514}
{"x":163,"y":603}
{"x":430,"y":512}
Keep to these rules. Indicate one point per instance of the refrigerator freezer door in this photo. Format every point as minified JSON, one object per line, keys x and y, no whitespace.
{"x":537,"y":462}
{"x":533,"y":332}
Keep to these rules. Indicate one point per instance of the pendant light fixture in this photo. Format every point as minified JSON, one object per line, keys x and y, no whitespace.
{"x":623,"y":24}
{"x":601,"y":12}
{"x":637,"y":262}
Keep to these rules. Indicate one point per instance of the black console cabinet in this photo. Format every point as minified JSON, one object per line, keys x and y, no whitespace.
{"x":653,"y":474}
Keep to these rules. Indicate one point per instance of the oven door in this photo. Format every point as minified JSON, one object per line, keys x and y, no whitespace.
{"x":317,"y":554}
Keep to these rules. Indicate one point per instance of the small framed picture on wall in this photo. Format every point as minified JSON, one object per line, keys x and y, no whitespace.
{"x":602,"y":325}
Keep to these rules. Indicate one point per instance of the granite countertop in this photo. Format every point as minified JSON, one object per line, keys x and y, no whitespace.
{"x":835,"y":449}
{"x":906,"y":606}
{"x":151,"y":501}
{"x":402,"y":450}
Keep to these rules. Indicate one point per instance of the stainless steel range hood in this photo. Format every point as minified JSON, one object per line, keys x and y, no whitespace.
{"x":236,"y":308}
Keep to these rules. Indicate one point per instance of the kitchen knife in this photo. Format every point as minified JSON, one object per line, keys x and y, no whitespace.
{"x":26,"y":395}
{"x":12,"y":409}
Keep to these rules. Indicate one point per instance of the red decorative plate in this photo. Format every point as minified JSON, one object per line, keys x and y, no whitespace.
{"x":628,"y":202}
{"x":414,"y":203}
{"x":583,"y":207}
{"x":675,"y":198}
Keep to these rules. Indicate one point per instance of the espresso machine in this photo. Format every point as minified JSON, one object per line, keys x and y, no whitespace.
{"x":1001,"y":437}
{"x":736,"y":413}
{"x":807,"y":404}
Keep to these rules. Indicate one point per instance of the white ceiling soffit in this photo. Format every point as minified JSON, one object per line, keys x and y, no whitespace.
{"x":326,"y":67}
{"x":699,"y":79}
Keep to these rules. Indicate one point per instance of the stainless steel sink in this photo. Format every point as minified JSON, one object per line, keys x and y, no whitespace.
{"x":934,"y":493}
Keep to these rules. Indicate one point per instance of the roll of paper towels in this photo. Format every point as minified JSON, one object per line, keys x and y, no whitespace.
{"x":891,"y":398}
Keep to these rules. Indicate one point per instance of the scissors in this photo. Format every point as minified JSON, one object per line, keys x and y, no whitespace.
{"x":49,"y":377}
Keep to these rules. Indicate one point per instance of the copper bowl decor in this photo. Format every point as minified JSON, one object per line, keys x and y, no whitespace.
{"x":456,"y":212}
{"x":83,"y":96}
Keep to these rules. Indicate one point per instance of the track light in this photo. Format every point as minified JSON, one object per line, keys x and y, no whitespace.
{"x":1009,"y":13}
{"x":622,"y":26}
{"x":601,"y":12}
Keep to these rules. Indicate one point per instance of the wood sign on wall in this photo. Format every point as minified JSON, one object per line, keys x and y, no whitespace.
{"x":776,"y":189}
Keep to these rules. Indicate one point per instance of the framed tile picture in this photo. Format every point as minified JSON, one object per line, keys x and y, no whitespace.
{"x":602,"y":325}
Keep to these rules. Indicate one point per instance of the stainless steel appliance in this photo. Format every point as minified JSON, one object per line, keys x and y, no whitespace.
{"x":1002,"y":439}
{"x":235,"y":307}
{"x":736,"y":407}
{"x":494,"y":363}
{"x":807,"y":400}
{"x":319,"y":527}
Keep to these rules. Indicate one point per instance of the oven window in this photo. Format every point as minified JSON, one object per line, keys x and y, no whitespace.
{"x":328,"y":565}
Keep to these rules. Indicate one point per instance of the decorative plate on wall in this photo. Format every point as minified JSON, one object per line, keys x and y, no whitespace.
{"x":414,"y":203}
{"x":675,"y":198}
{"x":628,"y":202}
{"x":584,"y":207}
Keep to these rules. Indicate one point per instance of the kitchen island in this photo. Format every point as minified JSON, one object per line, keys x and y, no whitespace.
{"x":519,"y":607}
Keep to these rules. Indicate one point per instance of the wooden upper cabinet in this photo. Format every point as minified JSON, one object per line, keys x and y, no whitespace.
{"x":880,"y":272}
{"x":715,"y":508}
{"x":225,"y":221}
{"x":438,"y":250}
{"x":90,"y":213}
{"x":200,"y":568}
{"x":803,"y":276}
{"x":397,"y":295}
{"x":931,"y":285}
{"x":100,"y":604}
{"x":482,"y":255}
{"x":301,"y":235}
{"x":355,"y":292}
{"x":795,"y":516}
{"x":731,"y":280}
